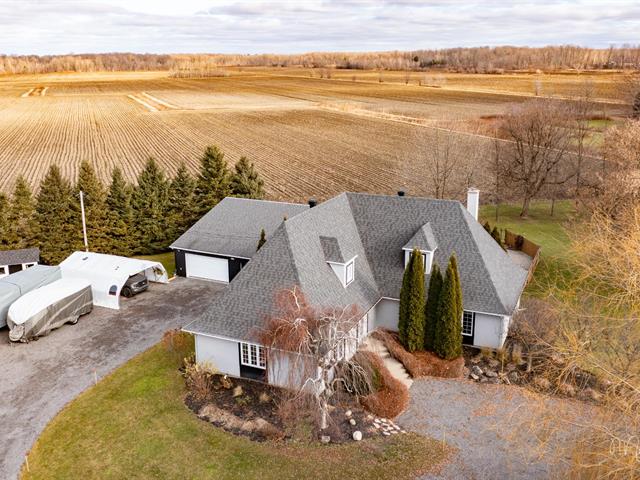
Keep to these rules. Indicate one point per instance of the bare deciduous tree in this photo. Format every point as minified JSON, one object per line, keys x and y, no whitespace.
{"x":539,"y":139}
{"x":311,"y":347}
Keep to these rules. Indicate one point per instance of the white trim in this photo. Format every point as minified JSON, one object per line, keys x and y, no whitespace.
{"x":6,"y":271}
{"x":351,"y":264}
{"x":208,"y":253}
{"x":28,"y":264}
{"x":473,"y":323}
{"x":341,"y":263}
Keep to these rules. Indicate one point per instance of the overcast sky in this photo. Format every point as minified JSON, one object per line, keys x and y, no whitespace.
{"x":232,"y":26}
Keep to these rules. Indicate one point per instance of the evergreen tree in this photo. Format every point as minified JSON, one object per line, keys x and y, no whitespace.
{"x":181,"y":214}
{"x":4,"y":219}
{"x":118,"y":215}
{"x":21,"y":226}
{"x":94,"y":207}
{"x":448,"y":331}
{"x":245,"y":181}
{"x":149,"y":204}
{"x":213,"y":182}
{"x":54,"y":214}
{"x":411,"y":319}
{"x":262,"y":240}
{"x":431,"y":307}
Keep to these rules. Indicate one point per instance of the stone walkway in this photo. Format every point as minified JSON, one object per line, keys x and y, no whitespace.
{"x":395,"y":367}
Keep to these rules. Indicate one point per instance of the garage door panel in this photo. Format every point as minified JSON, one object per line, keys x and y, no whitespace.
{"x":210,"y":268}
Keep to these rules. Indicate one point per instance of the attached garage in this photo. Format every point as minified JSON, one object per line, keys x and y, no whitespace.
{"x":209,"y":268}
{"x":221,"y":243}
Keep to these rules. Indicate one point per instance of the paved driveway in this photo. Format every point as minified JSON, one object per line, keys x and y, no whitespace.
{"x":500,"y":431}
{"x":37,"y":379}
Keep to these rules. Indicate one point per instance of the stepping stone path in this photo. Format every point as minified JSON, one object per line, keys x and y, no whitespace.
{"x":386,"y":427}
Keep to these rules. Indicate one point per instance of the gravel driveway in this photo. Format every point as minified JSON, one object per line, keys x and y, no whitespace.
{"x":37,"y":379}
{"x":500,"y":431}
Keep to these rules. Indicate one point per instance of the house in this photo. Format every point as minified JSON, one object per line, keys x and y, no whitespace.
{"x":12,"y":261}
{"x":352,"y":250}
{"x":226,"y":238}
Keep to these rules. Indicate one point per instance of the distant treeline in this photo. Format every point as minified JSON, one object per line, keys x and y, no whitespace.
{"x":473,"y":60}
{"x":122,"y":218}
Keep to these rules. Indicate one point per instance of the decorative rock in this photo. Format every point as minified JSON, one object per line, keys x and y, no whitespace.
{"x":386,"y":433}
{"x":394,"y":431}
{"x":357,"y":435}
{"x":483,"y":379}
{"x":348,"y":413}
{"x":369,"y":417}
{"x":493,"y":363}
{"x":476,"y":370}
{"x":325,"y":439}
{"x":237,"y":391}
{"x":494,"y":381}
{"x":403,"y":431}
{"x":491,"y":374}
{"x":474,"y":377}
{"x":376,"y":425}
{"x":352,"y":421}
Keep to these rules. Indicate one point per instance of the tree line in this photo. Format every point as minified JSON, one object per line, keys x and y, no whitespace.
{"x":475,"y":60}
{"x":122,"y":218}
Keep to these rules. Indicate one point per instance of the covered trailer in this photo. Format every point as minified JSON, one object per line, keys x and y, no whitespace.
{"x":108,"y":274}
{"x":46,"y":308}
{"x":17,"y":284}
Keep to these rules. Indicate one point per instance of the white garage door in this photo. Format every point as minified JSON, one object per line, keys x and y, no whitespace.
{"x":211,"y":268}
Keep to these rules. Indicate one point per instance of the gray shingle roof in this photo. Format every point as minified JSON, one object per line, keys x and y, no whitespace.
{"x":233,"y":227}
{"x":17,"y":257}
{"x":331,"y":249}
{"x":374,"y":228}
{"x":423,"y":239}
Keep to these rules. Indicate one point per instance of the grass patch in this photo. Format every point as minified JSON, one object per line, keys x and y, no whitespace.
{"x":134,"y":425}
{"x":547,"y":231}
{"x":167,"y":259}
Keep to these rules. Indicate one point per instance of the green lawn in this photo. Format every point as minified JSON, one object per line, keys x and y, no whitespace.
{"x":547,"y":231}
{"x":167,"y":259}
{"x":134,"y":425}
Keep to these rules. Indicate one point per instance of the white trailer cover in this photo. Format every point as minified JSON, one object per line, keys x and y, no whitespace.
{"x":17,"y":284}
{"x":46,"y":308}
{"x":108,"y":274}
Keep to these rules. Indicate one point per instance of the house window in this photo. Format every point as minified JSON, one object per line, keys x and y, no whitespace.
{"x":349,"y":273}
{"x":426,"y":259}
{"x":468,"y":320}
{"x":252,"y":355}
{"x":27,"y":265}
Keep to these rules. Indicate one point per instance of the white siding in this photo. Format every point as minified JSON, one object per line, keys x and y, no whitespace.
{"x":386,"y":315}
{"x":220,"y":353}
{"x":490,"y":330}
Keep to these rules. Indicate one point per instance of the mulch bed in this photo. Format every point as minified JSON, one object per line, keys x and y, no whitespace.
{"x":258,"y":400}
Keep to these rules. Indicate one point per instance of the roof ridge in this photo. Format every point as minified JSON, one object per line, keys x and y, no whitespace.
{"x":262,"y":200}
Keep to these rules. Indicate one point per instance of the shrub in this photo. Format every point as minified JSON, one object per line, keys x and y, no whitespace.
{"x":176,"y":340}
{"x":392,"y":396}
{"x":448,"y":337}
{"x":200,"y":380}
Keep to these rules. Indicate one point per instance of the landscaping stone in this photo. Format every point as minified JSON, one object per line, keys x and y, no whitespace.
{"x":493,"y":363}
{"x":348,"y":413}
{"x":476,"y":370}
{"x":352,"y":421}
{"x":237,"y":391}
{"x":474,"y":377}
{"x":357,"y":435}
{"x":484,"y":379}
{"x":491,"y":374}
{"x":325,"y":439}
{"x":386,"y":434}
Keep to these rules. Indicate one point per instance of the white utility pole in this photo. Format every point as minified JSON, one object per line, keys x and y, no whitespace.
{"x":84,"y":222}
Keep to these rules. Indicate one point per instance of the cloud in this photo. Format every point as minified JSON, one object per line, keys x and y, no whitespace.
{"x":63,"y":26}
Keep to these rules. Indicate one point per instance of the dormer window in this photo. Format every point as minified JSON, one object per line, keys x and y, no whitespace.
{"x":342,"y":265}
{"x":425,"y":241}
{"x":349,"y":272}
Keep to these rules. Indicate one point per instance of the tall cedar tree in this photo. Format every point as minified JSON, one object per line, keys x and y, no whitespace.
{"x":4,"y":218}
{"x":412,"y":307}
{"x":94,"y":208}
{"x":213,"y":182}
{"x":245,"y":181}
{"x":431,"y":307}
{"x":149,"y":204}
{"x":20,"y":220}
{"x":54,"y":215}
{"x":262,"y":240}
{"x":119,"y":218}
{"x":448,"y":332}
{"x":181,"y":213}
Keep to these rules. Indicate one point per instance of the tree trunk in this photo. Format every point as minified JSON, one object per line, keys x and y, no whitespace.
{"x":524,"y":213}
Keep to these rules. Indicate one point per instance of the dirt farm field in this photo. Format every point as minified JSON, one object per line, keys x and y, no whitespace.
{"x":307,"y":135}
